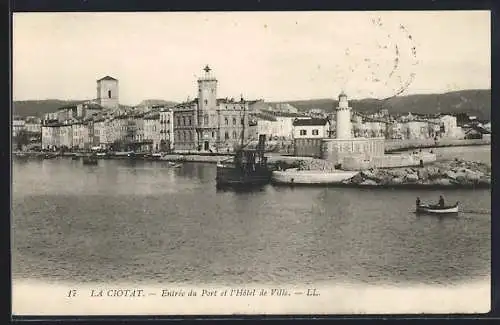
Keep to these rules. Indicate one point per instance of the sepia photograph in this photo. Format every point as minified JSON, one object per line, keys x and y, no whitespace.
{"x":251,"y":163}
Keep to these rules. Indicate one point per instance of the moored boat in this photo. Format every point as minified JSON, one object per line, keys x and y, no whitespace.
{"x":90,"y":160}
{"x":437,"y":209}
{"x":248,"y":167}
{"x":293,"y":176}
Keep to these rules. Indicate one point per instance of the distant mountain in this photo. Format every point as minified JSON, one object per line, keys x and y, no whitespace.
{"x":154,"y":102}
{"x":473,"y":102}
{"x":25,"y":108}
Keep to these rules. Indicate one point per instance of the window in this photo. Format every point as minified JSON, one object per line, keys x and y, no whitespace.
{"x":109,"y":93}
{"x":205,"y":119}
{"x":183,"y":120}
{"x":213,"y":134}
{"x":226,"y":135}
{"x":303,"y":132}
{"x":234,"y":121}
{"x":234,"y":134}
{"x":315,"y":132}
{"x":189,"y":120}
{"x":226,"y":121}
{"x":206,"y":102}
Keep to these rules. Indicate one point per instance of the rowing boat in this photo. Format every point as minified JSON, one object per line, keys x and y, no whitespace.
{"x":436,"y":209}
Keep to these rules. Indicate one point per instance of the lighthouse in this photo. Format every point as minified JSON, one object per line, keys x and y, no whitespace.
{"x":343,"y":118}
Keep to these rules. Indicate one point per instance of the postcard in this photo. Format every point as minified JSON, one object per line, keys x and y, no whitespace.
{"x":251,"y":163}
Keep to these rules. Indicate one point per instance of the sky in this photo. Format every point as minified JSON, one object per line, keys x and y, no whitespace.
{"x":275,"y":56}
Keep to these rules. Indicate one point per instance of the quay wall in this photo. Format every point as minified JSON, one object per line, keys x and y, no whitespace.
{"x":387,"y":161}
{"x":400,"y":145}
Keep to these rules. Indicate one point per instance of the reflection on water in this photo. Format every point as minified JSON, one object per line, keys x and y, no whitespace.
{"x":149,"y":222}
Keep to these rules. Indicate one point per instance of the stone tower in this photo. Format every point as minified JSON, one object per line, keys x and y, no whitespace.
{"x":343,"y":123}
{"x":107,"y":92}
{"x":207,"y":90}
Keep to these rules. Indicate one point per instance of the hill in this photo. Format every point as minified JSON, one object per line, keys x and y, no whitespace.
{"x":40,"y":107}
{"x":25,"y":108}
{"x":473,"y":102}
{"x":154,"y":102}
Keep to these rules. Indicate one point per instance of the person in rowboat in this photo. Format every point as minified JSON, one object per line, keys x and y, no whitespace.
{"x":441,"y":201}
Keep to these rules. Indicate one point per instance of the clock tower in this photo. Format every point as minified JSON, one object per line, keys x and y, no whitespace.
{"x":207,"y":91}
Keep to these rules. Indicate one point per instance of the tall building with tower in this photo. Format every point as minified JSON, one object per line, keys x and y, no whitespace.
{"x":208,"y":123}
{"x":107,"y":92}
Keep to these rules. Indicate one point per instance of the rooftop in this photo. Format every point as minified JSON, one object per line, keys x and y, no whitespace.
{"x":107,"y":78}
{"x":310,"y":122}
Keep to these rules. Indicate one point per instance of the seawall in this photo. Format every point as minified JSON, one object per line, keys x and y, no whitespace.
{"x":402,"y":145}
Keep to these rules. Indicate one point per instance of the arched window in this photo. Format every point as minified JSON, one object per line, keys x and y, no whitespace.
{"x":109,"y":93}
{"x":226,"y":121}
{"x":234,"y":135}
{"x":226,"y":135}
{"x":234,"y":121}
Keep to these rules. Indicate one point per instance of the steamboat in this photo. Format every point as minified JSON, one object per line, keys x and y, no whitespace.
{"x":248,"y":167}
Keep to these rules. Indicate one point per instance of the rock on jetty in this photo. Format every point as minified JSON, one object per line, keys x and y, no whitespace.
{"x":452,"y":173}
{"x":304,"y":164}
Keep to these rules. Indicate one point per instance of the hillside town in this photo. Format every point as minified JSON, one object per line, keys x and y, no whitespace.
{"x":213,"y":124}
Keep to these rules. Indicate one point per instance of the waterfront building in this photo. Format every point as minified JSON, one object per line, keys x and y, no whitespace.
{"x":49,"y":117}
{"x":87,"y":110}
{"x":101,"y":130}
{"x":33,"y":125}
{"x":307,"y":136}
{"x":166,"y":129}
{"x":50,"y":136}
{"x":184,"y":129}
{"x":209,"y":123}
{"x":449,"y":126}
{"x":416,"y":130}
{"x":152,"y":128}
{"x":18,"y":125}
{"x":267,"y":125}
{"x":373,"y":129}
{"x":311,"y":128}
{"x":118,"y":132}
{"x":66,"y":135}
{"x":107,"y":93}
{"x":66,"y":113}
{"x":81,"y":135}
{"x":285,"y":124}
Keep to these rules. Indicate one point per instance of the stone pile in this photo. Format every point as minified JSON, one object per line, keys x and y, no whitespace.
{"x":445,"y":173}
{"x":310,"y":164}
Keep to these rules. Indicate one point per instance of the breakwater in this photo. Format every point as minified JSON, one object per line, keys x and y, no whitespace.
{"x":402,"y":145}
{"x":452,"y":173}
